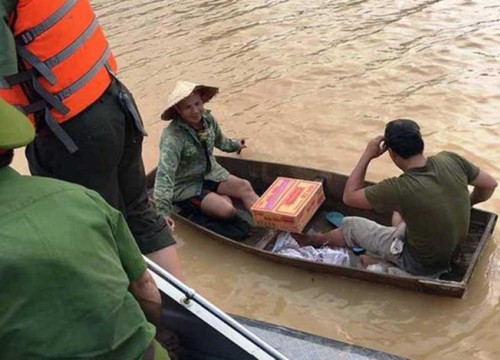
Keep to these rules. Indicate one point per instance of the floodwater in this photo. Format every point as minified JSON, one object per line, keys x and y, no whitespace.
{"x":309,"y":83}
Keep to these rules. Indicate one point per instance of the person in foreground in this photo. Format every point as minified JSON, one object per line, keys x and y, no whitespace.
{"x":57,"y":67}
{"x":430,"y":203}
{"x":73,"y":279}
{"x":188,"y":174}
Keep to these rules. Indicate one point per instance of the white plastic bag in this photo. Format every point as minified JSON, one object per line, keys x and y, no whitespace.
{"x":286,"y":245}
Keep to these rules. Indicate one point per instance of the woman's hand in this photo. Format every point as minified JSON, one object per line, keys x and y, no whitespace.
{"x":170,"y":222}
{"x":241,"y":145}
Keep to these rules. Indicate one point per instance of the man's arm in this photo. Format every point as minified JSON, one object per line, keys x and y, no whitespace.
{"x":142,"y":285}
{"x":148,"y":296}
{"x":484,"y":186}
{"x":354,"y":194}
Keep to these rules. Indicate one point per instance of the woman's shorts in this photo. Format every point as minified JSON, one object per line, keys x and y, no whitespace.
{"x":194,"y":203}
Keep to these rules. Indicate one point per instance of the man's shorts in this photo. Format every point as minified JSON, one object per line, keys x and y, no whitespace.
{"x":375,"y":238}
{"x":386,"y":242}
{"x":194,"y":203}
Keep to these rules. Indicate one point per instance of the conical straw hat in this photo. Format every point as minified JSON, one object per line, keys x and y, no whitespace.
{"x":181,"y":91}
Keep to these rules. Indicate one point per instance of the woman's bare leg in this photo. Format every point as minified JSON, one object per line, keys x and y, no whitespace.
{"x":227,"y":198}
{"x":218,"y":206}
{"x":238,"y":188}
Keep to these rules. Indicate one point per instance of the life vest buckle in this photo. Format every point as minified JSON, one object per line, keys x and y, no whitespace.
{"x":26,"y":38}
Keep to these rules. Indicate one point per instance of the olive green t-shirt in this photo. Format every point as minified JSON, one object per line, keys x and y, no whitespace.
{"x":66,"y":262}
{"x":8,"y":57}
{"x":435,"y":204}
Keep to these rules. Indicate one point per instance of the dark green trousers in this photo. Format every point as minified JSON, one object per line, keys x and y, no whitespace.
{"x":108,"y":160}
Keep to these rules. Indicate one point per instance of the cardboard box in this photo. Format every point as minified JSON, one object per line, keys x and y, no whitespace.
{"x":288,"y":204}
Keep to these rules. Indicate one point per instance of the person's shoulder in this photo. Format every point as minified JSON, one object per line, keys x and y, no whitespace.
{"x":29,"y":190}
{"x":173,"y":130}
{"x":47,"y":184}
{"x":445,"y":154}
{"x":457,"y":163}
{"x":172,"y":138}
{"x":173,"y":125}
{"x":447,"y":157}
{"x":207,"y":115}
{"x":45,"y":187}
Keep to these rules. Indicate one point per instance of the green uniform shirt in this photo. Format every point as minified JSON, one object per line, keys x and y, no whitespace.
{"x":434,"y":202}
{"x":8,"y":56}
{"x":66,"y":261}
{"x":184,"y":164}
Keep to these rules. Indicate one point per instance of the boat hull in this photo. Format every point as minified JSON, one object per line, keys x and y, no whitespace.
{"x":262,"y":174}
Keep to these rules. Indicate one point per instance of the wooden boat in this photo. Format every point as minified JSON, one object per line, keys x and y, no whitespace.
{"x":207,"y":333}
{"x":262,"y":174}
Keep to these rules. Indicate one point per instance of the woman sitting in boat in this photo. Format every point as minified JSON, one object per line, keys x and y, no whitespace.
{"x":188,"y":174}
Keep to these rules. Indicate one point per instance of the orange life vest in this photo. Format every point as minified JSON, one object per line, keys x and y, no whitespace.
{"x":66,"y":61}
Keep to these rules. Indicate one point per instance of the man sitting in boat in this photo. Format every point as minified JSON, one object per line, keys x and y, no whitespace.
{"x":73,"y":278}
{"x":431,"y":196}
{"x":188,"y":174}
